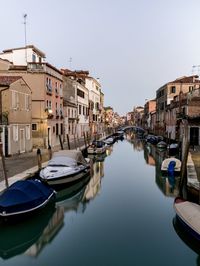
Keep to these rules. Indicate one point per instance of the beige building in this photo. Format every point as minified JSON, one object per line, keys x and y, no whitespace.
{"x":15,"y":115}
{"x":46,"y":85}
{"x":166,"y":94}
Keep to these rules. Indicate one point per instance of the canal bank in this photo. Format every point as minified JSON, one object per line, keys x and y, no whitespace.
{"x":25,"y":165}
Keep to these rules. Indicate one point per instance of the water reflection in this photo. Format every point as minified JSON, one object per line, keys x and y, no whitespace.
{"x":17,"y":238}
{"x":169,"y":185}
{"x":190,"y":241}
{"x":94,"y":186}
{"x":48,"y":234}
{"x":154,"y":157}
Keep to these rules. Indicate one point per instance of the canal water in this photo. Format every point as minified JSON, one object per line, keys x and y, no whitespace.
{"x":122,"y":215}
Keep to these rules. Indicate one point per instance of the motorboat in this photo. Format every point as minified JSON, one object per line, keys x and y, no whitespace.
{"x":98,"y":157}
{"x":188,"y":214}
{"x":97,"y":147}
{"x":161,"y":145}
{"x":109,"y":141}
{"x":192,"y":242}
{"x":24,"y":197}
{"x":173,"y":148}
{"x":151,"y":139}
{"x":171,"y":165}
{"x":65,"y":167}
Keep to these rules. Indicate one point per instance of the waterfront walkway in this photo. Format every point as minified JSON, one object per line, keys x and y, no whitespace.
{"x":24,"y":165}
{"x":193,"y":168}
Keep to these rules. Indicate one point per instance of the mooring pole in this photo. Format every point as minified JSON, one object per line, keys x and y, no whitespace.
{"x":39,"y":159}
{"x":4,"y":165}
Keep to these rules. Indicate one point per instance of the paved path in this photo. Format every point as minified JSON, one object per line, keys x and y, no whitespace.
{"x":22,"y":166}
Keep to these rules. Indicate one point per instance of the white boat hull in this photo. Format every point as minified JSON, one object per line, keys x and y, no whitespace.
{"x":189,"y":214}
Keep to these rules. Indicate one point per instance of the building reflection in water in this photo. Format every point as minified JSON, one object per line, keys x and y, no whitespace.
{"x":94,"y":186}
{"x":137,"y":143}
{"x":16,"y":239}
{"x":73,"y":198}
{"x":154,"y":157}
{"x":32,"y":235}
{"x":48,"y":234}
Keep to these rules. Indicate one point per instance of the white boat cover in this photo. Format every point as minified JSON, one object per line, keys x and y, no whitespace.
{"x":67,"y":158}
{"x":189,"y":212}
{"x":166,"y":162}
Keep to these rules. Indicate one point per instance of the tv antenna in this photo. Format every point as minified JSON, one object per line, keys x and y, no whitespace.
{"x":25,"y":38}
{"x":70,"y":63}
{"x":197,"y":68}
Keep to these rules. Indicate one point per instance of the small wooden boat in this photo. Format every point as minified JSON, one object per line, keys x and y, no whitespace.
{"x":189,"y":215}
{"x":171,"y":165}
{"x":24,"y":197}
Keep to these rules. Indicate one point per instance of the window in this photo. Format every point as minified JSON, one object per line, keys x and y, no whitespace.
{"x":80,"y":93}
{"x":56,"y":128}
{"x":190,"y":88}
{"x":27,"y":102}
{"x":28,"y":132}
{"x":34,"y":127}
{"x":33,"y":58}
{"x":15,"y":132}
{"x":79,"y":109}
{"x":15,"y":100}
{"x":173,"y":89}
{"x":61,"y":129}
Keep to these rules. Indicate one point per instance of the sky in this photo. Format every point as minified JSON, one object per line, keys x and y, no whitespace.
{"x":133,"y":46}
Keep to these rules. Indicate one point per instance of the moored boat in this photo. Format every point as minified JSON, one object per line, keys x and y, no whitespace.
{"x":109,"y":141}
{"x":188,"y":214}
{"x":171,"y":165}
{"x":65,"y":167}
{"x":161,"y":145}
{"x":97,"y":147}
{"x":24,"y":197}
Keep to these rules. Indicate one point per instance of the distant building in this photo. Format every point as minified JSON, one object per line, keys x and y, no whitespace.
{"x":138,"y":113}
{"x":166,"y":93}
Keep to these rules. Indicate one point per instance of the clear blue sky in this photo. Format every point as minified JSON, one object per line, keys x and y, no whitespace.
{"x":133,"y":46}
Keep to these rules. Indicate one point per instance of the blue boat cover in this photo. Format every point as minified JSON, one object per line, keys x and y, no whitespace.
{"x":171,"y":167}
{"x":24,"y":195}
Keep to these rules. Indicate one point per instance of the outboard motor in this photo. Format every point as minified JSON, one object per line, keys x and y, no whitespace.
{"x":170,"y":168}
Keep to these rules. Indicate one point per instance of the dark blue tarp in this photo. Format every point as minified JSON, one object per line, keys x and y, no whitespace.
{"x":24,"y":195}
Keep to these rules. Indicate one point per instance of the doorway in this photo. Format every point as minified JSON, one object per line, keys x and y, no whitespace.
{"x":22,"y":140}
{"x":194,"y":136}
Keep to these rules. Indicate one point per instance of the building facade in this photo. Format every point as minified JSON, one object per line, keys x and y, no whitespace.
{"x":46,"y":85}
{"x":15,"y":115}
